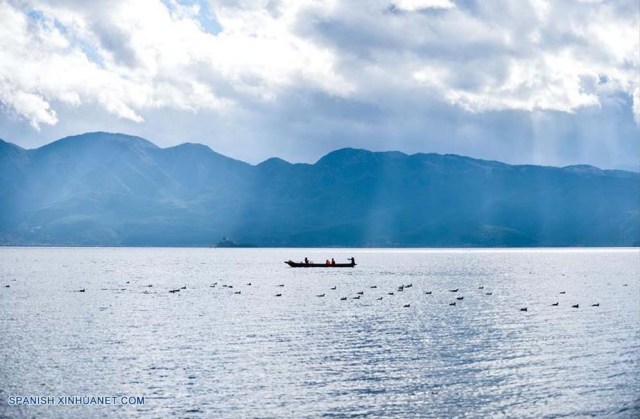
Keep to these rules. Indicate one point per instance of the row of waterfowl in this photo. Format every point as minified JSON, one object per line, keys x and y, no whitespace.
{"x":360,"y":294}
{"x":401,"y":288}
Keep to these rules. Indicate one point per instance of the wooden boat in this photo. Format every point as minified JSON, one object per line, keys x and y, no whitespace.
{"x":318,"y":265}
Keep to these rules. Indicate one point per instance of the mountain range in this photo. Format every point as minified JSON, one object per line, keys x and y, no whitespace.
{"x":105,"y":189}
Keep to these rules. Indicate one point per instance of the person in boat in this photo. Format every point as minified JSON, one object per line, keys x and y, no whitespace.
{"x":306,"y":261}
{"x":327,"y":262}
{"x":333,"y":262}
{"x":353,"y":261}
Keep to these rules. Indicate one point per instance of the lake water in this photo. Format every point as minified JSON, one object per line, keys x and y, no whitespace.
{"x":208,"y":352}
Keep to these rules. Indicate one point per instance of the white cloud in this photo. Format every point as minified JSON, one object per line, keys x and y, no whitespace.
{"x":562,"y":57}
{"x":547,"y":82}
{"x":132,"y":58}
{"x":414,"y":5}
{"x":28,"y":105}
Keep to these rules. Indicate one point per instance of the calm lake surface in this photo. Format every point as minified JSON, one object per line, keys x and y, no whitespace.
{"x":207,"y":352}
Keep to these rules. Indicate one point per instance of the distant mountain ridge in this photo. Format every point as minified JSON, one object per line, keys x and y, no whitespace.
{"x":120,"y":190}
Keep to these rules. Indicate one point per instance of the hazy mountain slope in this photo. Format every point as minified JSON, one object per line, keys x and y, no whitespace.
{"x":356,"y":197}
{"x":114,"y":189}
{"x":13,"y":162}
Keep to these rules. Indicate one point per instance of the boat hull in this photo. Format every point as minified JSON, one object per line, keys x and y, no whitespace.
{"x":318,"y":265}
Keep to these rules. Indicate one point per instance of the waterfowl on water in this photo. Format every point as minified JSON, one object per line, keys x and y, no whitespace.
{"x":343,"y":299}
{"x":409,"y":286}
{"x":7,"y":286}
{"x":524,"y":309}
{"x":406,"y":305}
{"x":455,"y":290}
{"x":281,"y":285}
{"x":390,"y":293}
{"x":238,"y":292}
{"x":249,"y":284}
{"x":576,"y":306}
{"x":563,"y":292}
{"x":480,"y":288}
{"x":555,"y":304}
{"x":82,"y":290}
{"x":360,"y":292}
{"x":356,"y":298}
{"x":373,"y":286}
{"x":460,"y":298}
{"x":428,"y":292}
{"x":278,"y":295}
{"x":320,"y":295}
{"x":333,"y":288}
{"x":452,"y":304}
{"x":379,"y":298}
{"x":595,"y":305}
{"x":489,"y":293}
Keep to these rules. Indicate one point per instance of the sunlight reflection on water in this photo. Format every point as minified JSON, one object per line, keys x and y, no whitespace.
{"x":207,"y":351}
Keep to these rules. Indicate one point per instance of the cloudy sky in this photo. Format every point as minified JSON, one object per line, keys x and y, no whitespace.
{"x":548,"y":82}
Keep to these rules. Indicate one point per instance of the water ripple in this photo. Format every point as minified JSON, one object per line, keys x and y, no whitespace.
{"x":205,"y":351}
